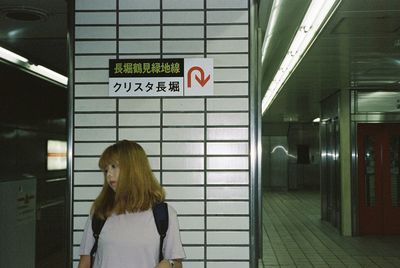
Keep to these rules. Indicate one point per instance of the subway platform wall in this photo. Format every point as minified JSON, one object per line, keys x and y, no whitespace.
{"x":199,"y":147}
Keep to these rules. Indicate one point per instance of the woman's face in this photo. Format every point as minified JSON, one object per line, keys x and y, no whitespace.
{"x":112,"y":174}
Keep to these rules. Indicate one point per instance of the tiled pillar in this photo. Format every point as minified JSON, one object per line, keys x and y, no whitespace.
{"x":199,"y":147}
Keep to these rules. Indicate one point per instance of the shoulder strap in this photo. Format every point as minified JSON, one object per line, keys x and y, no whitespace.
{"x":97,"y":225}
{"x":160,"y":212}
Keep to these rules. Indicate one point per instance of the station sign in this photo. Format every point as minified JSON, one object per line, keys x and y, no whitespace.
{"x":161,"y":77}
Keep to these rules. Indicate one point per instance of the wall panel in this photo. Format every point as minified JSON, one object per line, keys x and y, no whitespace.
{"x":199,"y":147}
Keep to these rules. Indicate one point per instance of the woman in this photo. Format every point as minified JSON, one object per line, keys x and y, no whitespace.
{"x":129,"y":238}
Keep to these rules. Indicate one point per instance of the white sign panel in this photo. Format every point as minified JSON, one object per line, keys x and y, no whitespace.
{"x":161,"y":77}
{"x":199,"y":77}
{"x":146,"y":86}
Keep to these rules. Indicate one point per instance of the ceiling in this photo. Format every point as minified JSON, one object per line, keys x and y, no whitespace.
{"x":37,"y":30}
{"x":359,"y":47}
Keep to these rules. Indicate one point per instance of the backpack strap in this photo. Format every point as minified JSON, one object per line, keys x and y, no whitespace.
{"x":97,"y":225}
{"x":160,"y":212}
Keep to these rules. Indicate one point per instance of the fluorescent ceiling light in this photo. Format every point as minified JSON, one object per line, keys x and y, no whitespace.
{"x":50,"y":74}
{"x":39,"y":70}
{"x":11,"y":56}
{"x":275,"y":10}
{"x":315,"y":18}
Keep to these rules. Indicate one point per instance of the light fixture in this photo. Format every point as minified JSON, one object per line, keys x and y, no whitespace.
{"x":11,"y":56}
{"x":317,"y":15}
{"x":317,"y":120}
{"x":41,"y":71}
{"x":275,"y":10}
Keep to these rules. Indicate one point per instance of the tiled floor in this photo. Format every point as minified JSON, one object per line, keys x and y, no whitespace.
{"x":294,"y":236}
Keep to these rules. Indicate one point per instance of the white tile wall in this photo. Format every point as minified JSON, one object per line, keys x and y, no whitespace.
{"x":231,"y":60}
{"x":185,"y":104}
{"x":192,"y":237}
{"x":231,"y":16}
{"x":235,"y":223}
{"x":139,"y":4}
{"x":191,"y":222}
{"x":232,"y":207}
{"x":227,"y":193}
{"x":139,"y":105}
{"x":95,"y":18}
{"x":94,"y":134}
{"x":139,"y":18}
{"x":197,"y":146}
{"x":193,"y":264}
{"x":92,"y":61}
{"x":228,"y":238}
{"x":138,"y":119}
{"x":139,"y":47}
{"x":139,"y":32}
{"x":218,"y":46}
{"x":188,"y":208}
{"x":231,"y":75}
{"x":228,"y":264}
{"x":227,"y":148}
{"x":183,"y":4}
{"x":184,"y":193}
{"x":227,"y":4}
{"x":88,"y":178}
{"x":95,"y":76}
{"x":223,"y":31}
{"x":94,"y":5}
{"x":229,"y":119}
{"x":85,"y":149}
{"x":183,"y":17}
{"x":99,"y":105}
{"x":227,"y":163}
{"x":86,"y":163}
{"x":187,"y":134}
{"x":183,"y":148}
{"x":95,"y":120}
{"x":184,"y":46}
{"x":233,"y":133}
{"x":90,"y":32}
{"x":91,"y":47}
{"x":139,"y":134}
{"x":183,"y":163}
{"x":183,"y":178}
{"x":193,"y":252}
{"x":227,"y":177}
{"x":228,"y":104}
{"x":83,"y":193}
{"x":187,"y":119}
{"x":183,"y":32}
{"x":230,"y":89}
{"x":91,"y":90}
{"x":228,"y":253}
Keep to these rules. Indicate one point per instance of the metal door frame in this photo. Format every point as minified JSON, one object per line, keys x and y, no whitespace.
{"x":356,"y":118}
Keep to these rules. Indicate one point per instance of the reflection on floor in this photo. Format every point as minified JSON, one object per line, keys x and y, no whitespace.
{"x":294,"y":236}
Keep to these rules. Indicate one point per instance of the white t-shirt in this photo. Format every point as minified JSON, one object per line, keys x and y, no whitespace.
{"x":131,"y":240}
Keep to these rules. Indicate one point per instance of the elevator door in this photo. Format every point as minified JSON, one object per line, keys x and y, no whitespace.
{"x":378,"y":179}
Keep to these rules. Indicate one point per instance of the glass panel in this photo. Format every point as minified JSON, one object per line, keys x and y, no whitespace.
{"x":369,"y":157}
{"x":394,"y":170}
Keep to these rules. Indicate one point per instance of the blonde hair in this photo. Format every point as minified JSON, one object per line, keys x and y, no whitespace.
{"x":137,"y":188}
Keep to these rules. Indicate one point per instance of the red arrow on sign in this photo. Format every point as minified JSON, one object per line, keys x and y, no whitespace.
{"x":202,"y":81}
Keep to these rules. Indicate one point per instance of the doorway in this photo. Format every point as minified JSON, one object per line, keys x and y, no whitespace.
{"x":378,"y":178}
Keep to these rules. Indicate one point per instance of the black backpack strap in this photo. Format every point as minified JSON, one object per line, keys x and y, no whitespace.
{"x":160,"y":212}
{"x":97,"y":225}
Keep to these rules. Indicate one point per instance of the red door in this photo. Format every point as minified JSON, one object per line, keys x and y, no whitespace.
{"x":379,"y":178}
